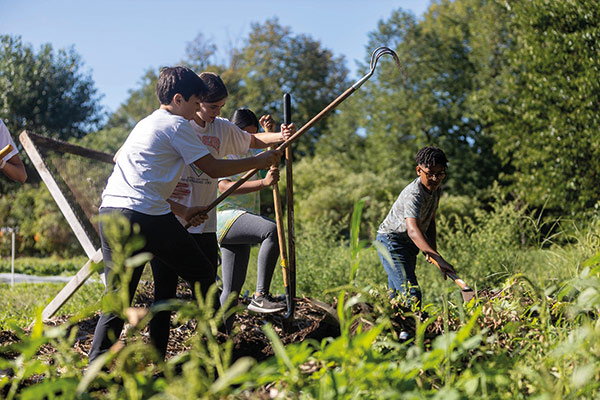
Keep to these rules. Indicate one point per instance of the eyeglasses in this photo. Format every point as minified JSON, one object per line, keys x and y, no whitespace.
{"x":436,"y":175}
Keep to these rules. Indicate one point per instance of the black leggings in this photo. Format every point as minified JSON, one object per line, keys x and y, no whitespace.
{"x":167,"y":289}
{"x":178,"y":253}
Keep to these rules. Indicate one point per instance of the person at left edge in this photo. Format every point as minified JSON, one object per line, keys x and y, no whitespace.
{"x":11,"y":165}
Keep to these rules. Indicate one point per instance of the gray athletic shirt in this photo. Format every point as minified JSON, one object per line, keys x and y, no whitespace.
{"x":413,"y":202}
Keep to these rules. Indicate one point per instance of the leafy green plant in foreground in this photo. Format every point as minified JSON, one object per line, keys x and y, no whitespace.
{"x":521,"y":340}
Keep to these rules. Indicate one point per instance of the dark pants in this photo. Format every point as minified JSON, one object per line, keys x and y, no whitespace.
{"x":401,"y":272}
{"x":170,"y":243}
{"x":167,"y":289}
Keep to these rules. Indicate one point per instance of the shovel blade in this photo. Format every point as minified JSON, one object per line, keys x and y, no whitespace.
{"x":467,"y":295}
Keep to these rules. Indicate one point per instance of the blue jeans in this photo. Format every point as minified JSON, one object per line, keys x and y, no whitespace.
{"x":401,"y":273}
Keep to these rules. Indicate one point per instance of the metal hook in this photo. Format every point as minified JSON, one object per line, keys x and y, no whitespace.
{"x":377,"y":53}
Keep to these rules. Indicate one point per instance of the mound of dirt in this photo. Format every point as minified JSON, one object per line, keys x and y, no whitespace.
{"x":312,"y":319}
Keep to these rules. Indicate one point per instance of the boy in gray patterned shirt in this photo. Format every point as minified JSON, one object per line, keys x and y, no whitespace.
{"x":410,"y":226}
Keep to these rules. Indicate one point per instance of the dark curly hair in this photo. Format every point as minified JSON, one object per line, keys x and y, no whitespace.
{"x":429,"y":156}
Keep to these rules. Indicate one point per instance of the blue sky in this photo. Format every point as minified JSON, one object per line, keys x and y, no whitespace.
{"x":119,"y":40}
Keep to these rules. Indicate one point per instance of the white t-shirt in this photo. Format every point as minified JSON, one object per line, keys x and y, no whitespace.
{"x":221,"y":137}
{"x":5,"y":139}
{"x":150,"y":162}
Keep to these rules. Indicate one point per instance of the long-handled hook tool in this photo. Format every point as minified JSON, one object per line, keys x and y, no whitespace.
{"x":375,"y":56}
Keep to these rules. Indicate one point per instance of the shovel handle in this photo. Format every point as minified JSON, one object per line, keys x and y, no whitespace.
{"x":462,"y":284}
{"x":4,"y":152}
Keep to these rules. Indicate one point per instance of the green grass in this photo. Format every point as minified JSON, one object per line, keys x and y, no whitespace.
{"x":43,"y":266}
{"x":21,"y":302}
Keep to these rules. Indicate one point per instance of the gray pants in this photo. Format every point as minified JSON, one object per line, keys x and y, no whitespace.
{"x":247,"y":230}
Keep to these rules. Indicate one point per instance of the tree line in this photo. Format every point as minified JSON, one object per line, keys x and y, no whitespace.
{"x":510,"y":90}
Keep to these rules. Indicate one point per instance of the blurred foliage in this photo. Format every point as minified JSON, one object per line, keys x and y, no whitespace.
{"x":326,"y":190}
{"x":523,"y":339}
{"x":42,"y":227}
{"x":40,"y":266}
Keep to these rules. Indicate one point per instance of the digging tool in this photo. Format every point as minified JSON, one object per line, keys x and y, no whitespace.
{"x":291,"y":269}
{"x":282,"y":250}
{"x":467,"y":292}
{"x":4,"y":152}
{"x":375,"y":56}
{"x":283,"y":255}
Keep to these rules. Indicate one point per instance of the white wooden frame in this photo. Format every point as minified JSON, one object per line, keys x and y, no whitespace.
{"x":94,"y":254}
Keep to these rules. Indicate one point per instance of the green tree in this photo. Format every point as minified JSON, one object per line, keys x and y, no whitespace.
{"x":547,"y":117}
{"x":275,"y":61}
{"x":450,"y":62}
{"x":46,"y":92}
{"x":272,"y":61}
{"x":444,"y":64}
{"x":199,"y":54}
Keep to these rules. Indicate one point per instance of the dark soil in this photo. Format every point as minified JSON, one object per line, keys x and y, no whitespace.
{"x":311,"y":321}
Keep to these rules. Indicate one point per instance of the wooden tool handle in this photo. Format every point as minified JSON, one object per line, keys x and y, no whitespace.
{"x":282,"y":146}
{"x":452,"y":276}
{"x":7,"y":149}
{"x":287,"y":119}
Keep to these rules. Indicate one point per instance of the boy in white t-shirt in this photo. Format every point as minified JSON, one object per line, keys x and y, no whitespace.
{"x":11,"y":164}
{"x":221,"y":137}
{"x":147,"y":168}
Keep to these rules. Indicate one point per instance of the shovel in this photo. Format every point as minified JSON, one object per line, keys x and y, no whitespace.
{"x":467,"y":292}
{"x":290,"y":293}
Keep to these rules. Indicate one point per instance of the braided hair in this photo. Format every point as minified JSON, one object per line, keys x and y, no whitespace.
{"x":429,"y":156}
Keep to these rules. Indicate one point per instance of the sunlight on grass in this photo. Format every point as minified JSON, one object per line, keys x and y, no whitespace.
{"x":20,"y":302}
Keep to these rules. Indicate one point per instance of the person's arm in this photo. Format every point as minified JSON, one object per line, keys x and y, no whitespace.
{"x":251,"y":186}
{"x":265,"y":139}
{"x":432,"y":233}
{"x":192,"y":215}
{"x":415,"y":234}
{"x":14,"y":169}
{"x":220,"y":168}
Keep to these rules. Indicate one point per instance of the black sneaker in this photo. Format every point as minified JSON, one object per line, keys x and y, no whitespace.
{"x":265,"y":304}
